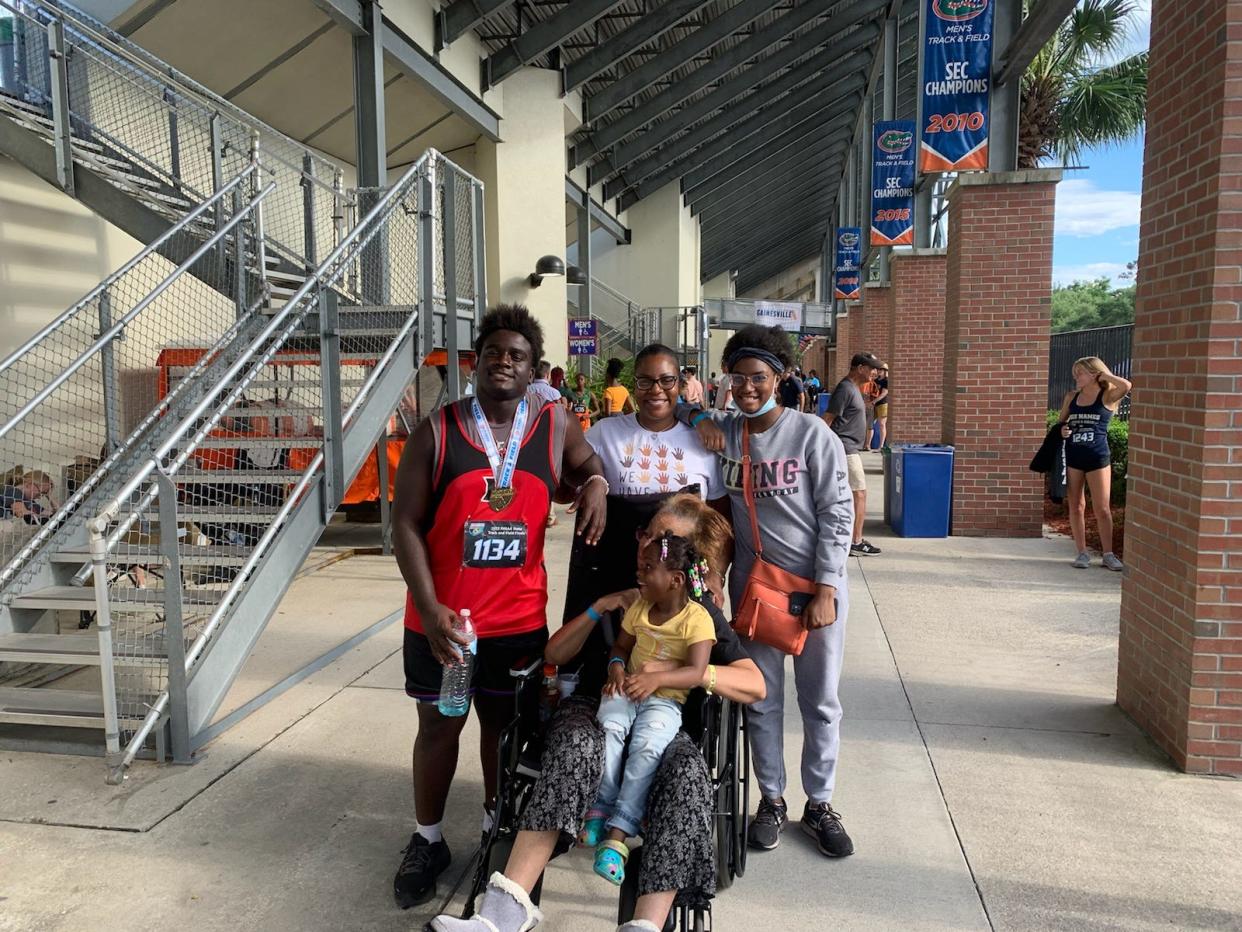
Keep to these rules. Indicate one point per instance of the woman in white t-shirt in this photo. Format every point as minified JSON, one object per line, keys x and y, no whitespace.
{"x":647,"y":457}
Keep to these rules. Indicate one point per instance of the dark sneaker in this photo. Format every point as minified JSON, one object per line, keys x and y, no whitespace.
{"x":823,"y":823}
{"x":767,"y":825}
{"x":864,"y":548}
{"x":422,"y":862}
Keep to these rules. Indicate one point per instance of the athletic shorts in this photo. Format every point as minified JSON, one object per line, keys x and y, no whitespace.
{"x":1085,"y":460}
{"x":881,"y":410}
{"x":492,"y":663}
{"x":858,"y":477}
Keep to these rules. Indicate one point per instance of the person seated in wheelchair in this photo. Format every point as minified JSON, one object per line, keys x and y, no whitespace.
{"x":641,"y":705}
{"x":679,"y":860}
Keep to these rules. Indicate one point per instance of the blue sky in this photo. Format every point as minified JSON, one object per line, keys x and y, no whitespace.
{"x":1097,"y":213}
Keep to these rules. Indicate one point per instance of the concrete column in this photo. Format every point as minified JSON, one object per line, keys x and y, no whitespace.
{"x":1180,"y":659}
{"x":916,"y":347}
{"x":997,"y":326}
{"x":524,"y":191}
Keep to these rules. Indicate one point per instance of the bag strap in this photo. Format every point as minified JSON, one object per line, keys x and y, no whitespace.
{"x":748,"y":491}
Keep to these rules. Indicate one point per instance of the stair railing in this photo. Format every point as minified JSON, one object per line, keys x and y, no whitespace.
{"x":312,"y":363}
{"x":78,"y":388}
{"x":97,"y":89}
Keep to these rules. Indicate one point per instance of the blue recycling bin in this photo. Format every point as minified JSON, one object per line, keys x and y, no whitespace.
{"x":822,"y":401}
{"x":922,"y":489}
{"x":887,"y":452}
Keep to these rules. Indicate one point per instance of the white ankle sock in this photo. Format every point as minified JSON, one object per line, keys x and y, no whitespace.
{"x":431,"y":832}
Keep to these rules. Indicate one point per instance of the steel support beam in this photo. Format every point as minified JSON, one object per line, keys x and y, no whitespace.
{"x":369,"y":129}
{"x":922,"y":183}
{"x":649,"y":27}
{"x":756,"y":44}
{"x":542,"y":36}
{"x":709,"y":34}
{"x":578,"y":197}
{"x":1005,"y":98}
{"x":1029,"y":38}
{"x":889,"y":111}
{"x":758,"y":151}
{"x":458,"y":18}
{"x":641,"y":157}
{"x":702,"y":145}
{"x":755,"y":275}
{"x":782,"y":257}
{"x":807,"y":74}
{"x":725,"y":151}
{"x":795,"y":165}
{"x":345,"y":13}
{"x":791,"y":215}
{"x":436,"y":80}
{"x":584,"y":262}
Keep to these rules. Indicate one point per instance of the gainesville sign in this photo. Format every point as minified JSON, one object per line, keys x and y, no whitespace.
{"x":957,"y":62}
{"x":786,"y":314}
{"x":892,"y":184}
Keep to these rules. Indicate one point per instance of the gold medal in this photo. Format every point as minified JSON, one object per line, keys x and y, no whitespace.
{"x":499,"y":499}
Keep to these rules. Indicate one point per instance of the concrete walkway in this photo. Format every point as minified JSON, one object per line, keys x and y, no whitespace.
{"x":986,"y":776}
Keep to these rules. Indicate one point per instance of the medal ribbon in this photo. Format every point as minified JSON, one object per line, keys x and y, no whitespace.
{"x":501,"y":472}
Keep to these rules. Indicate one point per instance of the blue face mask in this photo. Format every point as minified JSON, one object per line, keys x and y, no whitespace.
{"x":767,"y":406}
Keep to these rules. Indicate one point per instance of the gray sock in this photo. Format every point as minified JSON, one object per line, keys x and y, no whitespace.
{"x":505,"y":907}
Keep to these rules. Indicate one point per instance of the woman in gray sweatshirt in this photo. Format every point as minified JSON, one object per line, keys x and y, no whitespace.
{"x":805,"y":513}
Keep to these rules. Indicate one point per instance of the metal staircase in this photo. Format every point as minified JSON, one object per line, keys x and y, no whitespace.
{"x":276,"y":336}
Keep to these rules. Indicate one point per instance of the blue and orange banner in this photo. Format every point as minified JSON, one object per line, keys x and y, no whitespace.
{"x":957,"y":68}
{"x":892,"y":183}
{"x":847,"y":283}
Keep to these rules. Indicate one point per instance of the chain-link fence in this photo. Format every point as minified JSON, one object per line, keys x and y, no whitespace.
{"x":160,"y":137}
{"x":85,"y":391}
{"x":267,"y":435}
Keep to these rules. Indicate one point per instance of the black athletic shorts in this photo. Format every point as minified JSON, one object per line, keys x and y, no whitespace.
{"x":496,"y":656}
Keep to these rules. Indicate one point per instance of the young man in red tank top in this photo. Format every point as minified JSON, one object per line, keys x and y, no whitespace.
{"x":468,"y":530}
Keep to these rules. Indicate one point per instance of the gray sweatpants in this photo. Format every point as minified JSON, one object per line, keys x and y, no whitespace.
{"x":817,"y":673}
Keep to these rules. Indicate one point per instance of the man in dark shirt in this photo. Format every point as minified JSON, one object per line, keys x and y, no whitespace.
{"x":793,"y":395}
{"x":847,"y":416}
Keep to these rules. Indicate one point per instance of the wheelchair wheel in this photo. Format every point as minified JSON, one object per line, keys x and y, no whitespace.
{"x":723,"y":764}
{"x":742,"y":769}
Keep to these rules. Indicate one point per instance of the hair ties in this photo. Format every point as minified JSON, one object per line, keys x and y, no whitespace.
{"x":663,"y":548}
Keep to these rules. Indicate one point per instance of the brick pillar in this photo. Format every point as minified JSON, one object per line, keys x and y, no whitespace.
{"x":879,"y":300}
{"x":998,"y":295}
{"x":844,"y":348}
{"x":1180,"y":658}
{"x":858,"y":330}
{"x":916,"y":347}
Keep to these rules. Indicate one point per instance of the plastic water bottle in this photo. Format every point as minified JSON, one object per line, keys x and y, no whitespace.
{"x":455,"y":681}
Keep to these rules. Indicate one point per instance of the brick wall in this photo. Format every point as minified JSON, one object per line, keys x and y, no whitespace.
{"x":998,"y":294}
{"x":916,"y":347}
{"x":1180,"y":658}
{"x":858,"y":332}
{"x":844,"y":348}
{"x":879,"y":301}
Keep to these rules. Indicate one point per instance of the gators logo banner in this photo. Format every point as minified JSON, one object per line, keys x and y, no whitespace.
{"x":957,"y":69}
{"x":892,"y":184}
{"x":847,"y":284}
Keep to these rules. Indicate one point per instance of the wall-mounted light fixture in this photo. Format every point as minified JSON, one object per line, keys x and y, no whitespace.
{"x":547,"y":267}
{"x":575,"y":276}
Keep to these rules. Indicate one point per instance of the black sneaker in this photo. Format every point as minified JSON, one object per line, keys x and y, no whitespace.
{"x":823,"y":823}
{"x":767,"y":825}
{"x":864,"y":548}
{"x":422,"y":862}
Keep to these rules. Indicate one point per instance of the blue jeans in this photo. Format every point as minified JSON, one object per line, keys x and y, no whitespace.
{"x":651,"y":725}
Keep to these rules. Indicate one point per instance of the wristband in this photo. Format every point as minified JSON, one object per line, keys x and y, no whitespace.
{"x":593,"y":614}
{"x":711,"y":679}
{"x":620,"y":660}
{"x":695,"y":419}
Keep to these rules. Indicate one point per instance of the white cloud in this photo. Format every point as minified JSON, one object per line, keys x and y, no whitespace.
{"x":1085,"y":210}
{"x":1090,"y":271}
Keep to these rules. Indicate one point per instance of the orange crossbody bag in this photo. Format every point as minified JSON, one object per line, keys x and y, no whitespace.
{"x":772,"y":603}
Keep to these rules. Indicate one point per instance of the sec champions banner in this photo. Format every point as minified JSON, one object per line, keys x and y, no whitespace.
{"x":957,"y":65}
{"x":892,"y":184}
{"x":849,"y":253}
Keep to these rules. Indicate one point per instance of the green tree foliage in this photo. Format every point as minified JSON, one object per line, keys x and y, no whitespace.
{"x":1069,"y":101}
{"x":1086,"y":305}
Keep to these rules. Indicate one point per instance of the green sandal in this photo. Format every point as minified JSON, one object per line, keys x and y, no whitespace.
{"x":610,"y":858}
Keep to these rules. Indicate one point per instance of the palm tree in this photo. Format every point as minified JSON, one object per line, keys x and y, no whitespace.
{"x":1069,"y":101}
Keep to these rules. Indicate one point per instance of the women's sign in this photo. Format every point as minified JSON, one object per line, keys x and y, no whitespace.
{"x":892,"y":184}
{"x":957,"y":66}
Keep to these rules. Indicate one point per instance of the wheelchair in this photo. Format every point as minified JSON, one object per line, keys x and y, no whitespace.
{"x":722,"y":739}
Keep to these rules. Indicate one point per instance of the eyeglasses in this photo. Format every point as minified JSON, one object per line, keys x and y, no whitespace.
{"x":739,"y":379}
{"x":665,"y":382}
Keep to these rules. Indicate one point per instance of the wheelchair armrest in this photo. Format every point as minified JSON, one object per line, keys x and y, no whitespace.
{"x":525,"y":668}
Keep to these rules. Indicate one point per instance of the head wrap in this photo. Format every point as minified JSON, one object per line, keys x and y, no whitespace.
{"x":755,"y":352}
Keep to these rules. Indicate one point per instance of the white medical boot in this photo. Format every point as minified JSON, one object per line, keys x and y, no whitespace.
{"x":505,"y":907}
